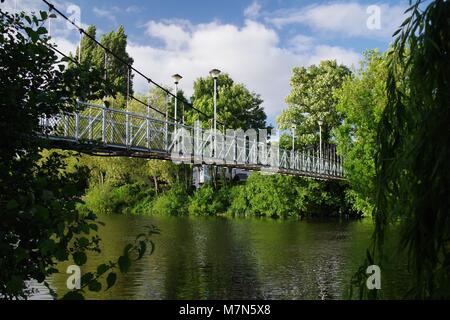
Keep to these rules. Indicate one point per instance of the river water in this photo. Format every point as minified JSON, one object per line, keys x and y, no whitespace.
{"x":226,"y":258}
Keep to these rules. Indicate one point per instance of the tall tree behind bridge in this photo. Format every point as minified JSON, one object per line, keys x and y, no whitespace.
{"x":237,"y":107}
{"x":115,"y":71}
{"x":312,"y":98}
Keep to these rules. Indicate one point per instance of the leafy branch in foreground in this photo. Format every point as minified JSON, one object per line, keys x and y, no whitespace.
{"x":132,"y":252}
{"x":40,"y":224}
{"x":413,"y":175}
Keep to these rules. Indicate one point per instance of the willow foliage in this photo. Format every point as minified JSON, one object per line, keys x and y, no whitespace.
{"x":412,"y":164}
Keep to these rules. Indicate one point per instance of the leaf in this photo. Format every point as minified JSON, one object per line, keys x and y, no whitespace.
{"x":87,"y":277}
{"x":44,"y":15}
{"x":142,"y":248}
{"x":111,"y":279}
{"x":41,"y":30}
{"x":95,"y":286}
{"x":83,"y":242}
{"x":73,"y":295}
{"x":124,"y":263}
{"x":127,"y":249}
{"x":101,"y":269}
{"x":12,"y":205}
{"x":79,"y":258}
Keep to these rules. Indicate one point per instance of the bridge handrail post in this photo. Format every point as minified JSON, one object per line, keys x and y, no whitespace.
{"x":126,"y":130}
{"x":104,"y":125}
{"x":77,"y":128}
{"x":166,"y":134}
{"x":66,"y":120}
{"x":234,"y":147}
{"x":90,"y":123}
{"x":147,"y":131}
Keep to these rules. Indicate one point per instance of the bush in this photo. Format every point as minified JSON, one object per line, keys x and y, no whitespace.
{"x":143,"y":207}
{"x":284,"y":196}
{"x":172,"y":202}
{"x":107,"y":199}
{"x":238,"y":204}
{"x":209,"y":202}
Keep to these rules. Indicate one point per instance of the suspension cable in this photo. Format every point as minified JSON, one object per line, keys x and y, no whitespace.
{"x":121,"y":60}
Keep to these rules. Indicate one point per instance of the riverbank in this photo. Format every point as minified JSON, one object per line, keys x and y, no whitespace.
{"x":273,"y":196}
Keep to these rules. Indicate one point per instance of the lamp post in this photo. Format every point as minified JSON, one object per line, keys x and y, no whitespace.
{"x":320,"y":123}
{"x":293,"y":137}
{"x":176,"y":78}
{"x":215,"y":74}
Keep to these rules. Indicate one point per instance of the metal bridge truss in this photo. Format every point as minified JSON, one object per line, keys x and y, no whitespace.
{"x":103,"y":131}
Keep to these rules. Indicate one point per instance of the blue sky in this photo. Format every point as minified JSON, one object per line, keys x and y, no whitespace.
{"x":257,"y":42}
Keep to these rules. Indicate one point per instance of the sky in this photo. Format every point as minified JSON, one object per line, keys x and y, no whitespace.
{"x":257,"y":42}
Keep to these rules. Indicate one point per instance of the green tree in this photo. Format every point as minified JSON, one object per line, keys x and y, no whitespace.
{"x":116,"y":70}
{"x":236,"y":106}
{"x":113,"y":70}
{"x":40,"y":224}
{"x":88,"y":47}
{"x":312,"y":98}
{"x":413,"y":175}
{"x":361,"y":101}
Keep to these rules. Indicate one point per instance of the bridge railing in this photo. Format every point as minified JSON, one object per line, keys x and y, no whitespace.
{"x":123,"y":130}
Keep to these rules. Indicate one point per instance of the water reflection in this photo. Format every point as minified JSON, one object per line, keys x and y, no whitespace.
{"x":221,"y":258}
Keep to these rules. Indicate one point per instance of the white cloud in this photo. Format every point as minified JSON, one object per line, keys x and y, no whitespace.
{"x":301,"y":43}
{"x":344,"y":19}
{"x":173,"y":34}
{"x":251,"y":54}
{"x":341,"y":55}
{"x":132,"y":9}
{"x":105,"y":13}
{"x":253,"y":10}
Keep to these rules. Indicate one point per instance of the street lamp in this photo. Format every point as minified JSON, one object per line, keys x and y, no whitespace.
{"x":176,"y":78}
{"x":320,"y":123}
{"x":293,"y":137}
{"x":215,"y":74}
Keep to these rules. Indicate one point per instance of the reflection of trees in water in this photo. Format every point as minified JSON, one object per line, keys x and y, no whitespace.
{"x":215,"y":258}
{"x":213,"y":263}
{"x":328,"y":264}
{"x":229,"y":254}
{"x":181,"y":275}
{"x":300,"y":260}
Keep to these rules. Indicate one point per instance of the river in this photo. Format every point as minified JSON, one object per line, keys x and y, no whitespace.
{"x":226,"y":258}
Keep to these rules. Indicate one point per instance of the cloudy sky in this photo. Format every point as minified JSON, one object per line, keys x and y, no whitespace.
{"x":257,"y":42}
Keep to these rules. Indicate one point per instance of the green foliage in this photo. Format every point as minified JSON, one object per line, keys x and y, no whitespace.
{"x":413,"y":175}
{"x":361,"y":101}
{"x":108,"y":198}
{"x":132,"y":252}
{"x":236,"y":106}
{"x":40,"y":225}
{"x":209,"y":202}
{"x":172,"y":202}
{"x":113,"y":70}
{"x":279,"y":196}
{"x":312,"y":98}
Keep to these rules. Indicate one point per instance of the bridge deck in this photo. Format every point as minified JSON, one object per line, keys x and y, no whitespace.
{"x":108,"y":132}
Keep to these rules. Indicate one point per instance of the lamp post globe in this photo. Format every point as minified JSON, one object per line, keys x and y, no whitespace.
{"x":176,"y":79}
{"x":215,"y":74}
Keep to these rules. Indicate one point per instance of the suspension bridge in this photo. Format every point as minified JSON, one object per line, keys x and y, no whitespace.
{"x":103,"y":131}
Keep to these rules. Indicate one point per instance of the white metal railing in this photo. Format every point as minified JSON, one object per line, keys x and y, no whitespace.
{"x":122,"y":130}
